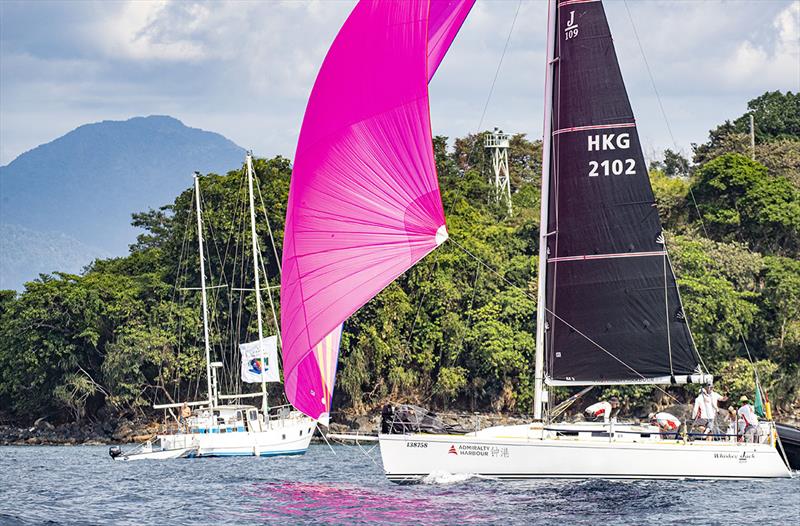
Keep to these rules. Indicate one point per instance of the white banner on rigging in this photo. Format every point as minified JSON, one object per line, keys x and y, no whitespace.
{"x":252,"y":354}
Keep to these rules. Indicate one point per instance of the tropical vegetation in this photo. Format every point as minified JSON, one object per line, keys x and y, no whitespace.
{"x":455,"y":331}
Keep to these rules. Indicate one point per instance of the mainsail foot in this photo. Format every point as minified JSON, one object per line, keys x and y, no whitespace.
{"x":700,"y":379}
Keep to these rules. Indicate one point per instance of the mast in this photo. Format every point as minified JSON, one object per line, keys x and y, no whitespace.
{"x":547,"y":137}
{"x":254,"y":240}
{"x":211,"y":396}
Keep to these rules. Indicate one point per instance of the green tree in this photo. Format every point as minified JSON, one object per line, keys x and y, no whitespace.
{"x":713,"y":280}
{"x":739,"y":201}
{"x":781,"y":292}
{"x":776,"y":116}
{"x":673,"y":165}
{"x":672,"y":199}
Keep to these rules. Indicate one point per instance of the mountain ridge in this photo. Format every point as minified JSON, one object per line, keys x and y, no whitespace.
{"x":87,"y":183}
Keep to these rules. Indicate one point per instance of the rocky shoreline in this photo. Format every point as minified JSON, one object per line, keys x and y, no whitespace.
{"x":371,"y":423}
{"x":125,"y":431}
{"x":44,"y":433}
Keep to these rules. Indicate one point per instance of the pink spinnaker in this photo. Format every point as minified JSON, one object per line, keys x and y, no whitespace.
{"x":364,"y":203}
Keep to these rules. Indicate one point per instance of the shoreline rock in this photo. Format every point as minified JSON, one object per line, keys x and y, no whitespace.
{"x":125,"y":431}
{"x":43,"y":433}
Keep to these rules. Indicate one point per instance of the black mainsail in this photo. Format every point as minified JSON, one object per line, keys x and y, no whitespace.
{"x":612,"y":308}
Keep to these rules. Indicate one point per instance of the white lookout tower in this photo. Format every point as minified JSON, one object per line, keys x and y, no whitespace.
{"x":498,"y":143}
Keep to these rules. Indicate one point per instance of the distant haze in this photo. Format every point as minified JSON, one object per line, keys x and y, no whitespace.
{"x":75,"y":195}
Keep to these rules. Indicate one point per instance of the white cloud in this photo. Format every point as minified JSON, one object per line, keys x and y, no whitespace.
{"x":142,"y":31}
{"x":245,"y":69}
{"x":788,"y":25}
{"x":754,"y":62}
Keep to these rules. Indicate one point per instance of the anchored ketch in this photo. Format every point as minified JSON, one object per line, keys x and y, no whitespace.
{"x":219,"y":426}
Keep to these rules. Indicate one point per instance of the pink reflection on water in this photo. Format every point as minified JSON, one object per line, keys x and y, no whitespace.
{"x":337,"y":503}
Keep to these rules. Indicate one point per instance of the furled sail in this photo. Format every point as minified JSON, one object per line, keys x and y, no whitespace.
{"x":364,"y":202}
{"x":613,"y":310}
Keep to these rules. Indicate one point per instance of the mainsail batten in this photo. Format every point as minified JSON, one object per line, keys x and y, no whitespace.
{"x":364,"y":203}
{"x":613,"y":314}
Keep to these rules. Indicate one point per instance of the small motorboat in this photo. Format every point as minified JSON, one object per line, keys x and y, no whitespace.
{"x":152,"y":450}
{"x":790,"y":439}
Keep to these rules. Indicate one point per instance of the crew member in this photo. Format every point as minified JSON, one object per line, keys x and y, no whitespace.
{"x":186,"y":412}
{"x":668,"y":424}
{"x":615,"y":408}
{"x":705,"y":410}
{"x":607,"y":410}
{"x":748,"y":415}
{"x":735,"y":425}
{"x":387,"y":419}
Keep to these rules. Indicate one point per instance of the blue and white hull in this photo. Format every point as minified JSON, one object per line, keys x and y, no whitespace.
{"x":290,"y":435}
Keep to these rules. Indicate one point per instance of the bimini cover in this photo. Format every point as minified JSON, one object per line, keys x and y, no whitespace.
{"x":364,"y":202}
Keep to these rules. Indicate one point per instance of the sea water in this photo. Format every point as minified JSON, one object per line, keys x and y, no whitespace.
{"x":81,"y":485}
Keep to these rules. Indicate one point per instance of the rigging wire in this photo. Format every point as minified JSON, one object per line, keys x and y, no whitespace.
{"x":677,"y":148}
{"x":269,"y":226}
{"x":213,"y":296}
{"x":178,"y":298}
{"x":661,"y":106}
{"x":480,"y":124}
{"x":233,"y":381}
{"x":236,"y":326}
{"x":499,"y":65}
{"x":471,"y":304}
{"x":524,"y":291}
{"x":650,"y":74}
{"x":240,"y":250}
{"x":688,"y":327}
{"x":691,"y":192}
{"x":269,"y":293}
{"x":491,"y":89}
{"x":434,"y":267}
{"x":666,"y":313}
{"x":483,"y":151}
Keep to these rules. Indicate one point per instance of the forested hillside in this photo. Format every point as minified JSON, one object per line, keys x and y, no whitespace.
{"x":449,"y":333}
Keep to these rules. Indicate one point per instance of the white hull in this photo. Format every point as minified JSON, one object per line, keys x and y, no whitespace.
{"x":149,"y":454}
{"x":288,"y":437}
{"x":518,"y":452}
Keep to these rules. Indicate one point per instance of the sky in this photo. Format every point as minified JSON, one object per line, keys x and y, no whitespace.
{"x":245,"y":68}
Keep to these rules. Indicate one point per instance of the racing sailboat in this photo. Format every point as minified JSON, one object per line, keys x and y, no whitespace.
{"x":364,"y":206}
